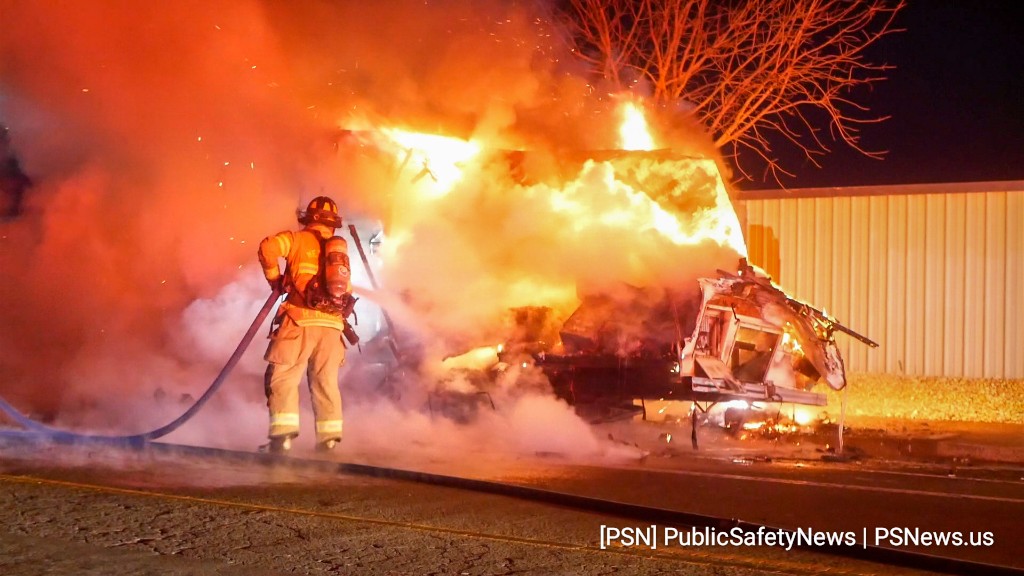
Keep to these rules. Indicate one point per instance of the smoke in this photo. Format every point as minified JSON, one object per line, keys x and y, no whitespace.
{"x":160,"y":156}
{"x":165,"y":142}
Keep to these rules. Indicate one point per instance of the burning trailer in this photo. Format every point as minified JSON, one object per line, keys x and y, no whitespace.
{"x":610,"y":263}
{"x":739,"y":337}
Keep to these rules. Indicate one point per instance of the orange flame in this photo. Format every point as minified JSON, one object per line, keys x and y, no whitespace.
{"x":441,"y":161}
{"x":600,"y":198}
{"x":659,"y":199}
{"x":476,"y":359}
{"x":441,"y":158}
{"x":790,"y":341}
{"x":634,"y":133}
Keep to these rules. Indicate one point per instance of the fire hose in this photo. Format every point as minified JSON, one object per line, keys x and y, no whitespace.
{"x":45,"y":432}
{"x":37,"y":431}
{"x":34,"y":428}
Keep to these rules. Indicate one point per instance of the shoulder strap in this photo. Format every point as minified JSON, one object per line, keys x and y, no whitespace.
{"x":297,"y":244}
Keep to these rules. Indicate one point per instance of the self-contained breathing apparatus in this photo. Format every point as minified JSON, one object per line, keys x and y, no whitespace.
{"x":328,"y":291}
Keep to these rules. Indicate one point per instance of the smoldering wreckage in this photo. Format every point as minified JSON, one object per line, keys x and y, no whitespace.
{"x":734,"y":340}
{"x":741,"y":341}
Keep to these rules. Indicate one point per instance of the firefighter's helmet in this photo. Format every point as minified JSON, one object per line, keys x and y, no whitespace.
{"x":321,"y":210}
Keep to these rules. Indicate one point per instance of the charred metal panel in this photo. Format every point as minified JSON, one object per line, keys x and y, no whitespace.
{"x":742,"y":339}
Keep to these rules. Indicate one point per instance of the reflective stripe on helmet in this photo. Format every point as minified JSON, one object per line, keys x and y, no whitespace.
{"x":321,"y":210}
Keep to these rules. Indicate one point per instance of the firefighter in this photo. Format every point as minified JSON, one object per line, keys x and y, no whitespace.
{"x":304,"y":338}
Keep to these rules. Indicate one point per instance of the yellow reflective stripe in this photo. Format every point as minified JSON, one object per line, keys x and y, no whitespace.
{"x":284,"y":419}
{"x":308,"y":267}
{"x":329,"y":427}
{"x":284,"y":243}
{"x":305,"y":321}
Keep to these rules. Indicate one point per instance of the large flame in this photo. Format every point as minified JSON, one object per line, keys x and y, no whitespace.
{"x":617,"y":204}
{"x":634,"y":133}
{"x":440,"y":158}
{"x":598,"y":196}
{"x":475,"y":232}
{"x":718,"y":224}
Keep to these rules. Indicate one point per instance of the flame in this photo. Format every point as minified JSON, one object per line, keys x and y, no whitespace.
{"x":441,"y":158}
{"x":457,"y":201}
{"x":790,"y":343}
{"x":441,"y":162}
{"x":476,"y":359}
{"x":768,"y":427}
{"x":601,"y":199}
{"x":804,"y":415}
{"x":634,"y":133}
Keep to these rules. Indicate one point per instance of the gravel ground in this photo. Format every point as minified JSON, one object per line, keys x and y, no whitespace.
{"x":78,"y":521}
{"x":933,"y":399}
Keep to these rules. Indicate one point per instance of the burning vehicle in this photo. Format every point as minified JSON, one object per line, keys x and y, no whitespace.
{"x":738,"y":341}
{"x":742,"y":338}
{"x":630,"y":302}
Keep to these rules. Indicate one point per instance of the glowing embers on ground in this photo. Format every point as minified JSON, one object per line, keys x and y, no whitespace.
{"x":441,"y":158}
{"x":746,"y":420}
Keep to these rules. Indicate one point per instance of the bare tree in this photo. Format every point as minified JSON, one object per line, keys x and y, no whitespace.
{"x":748,"y":69}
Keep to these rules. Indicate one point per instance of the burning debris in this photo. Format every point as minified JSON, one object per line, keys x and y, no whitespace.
{"x":649,"y":315}
{"x":744,"y":419}
{"x":742,"y":339}
{"x":734,"y":337}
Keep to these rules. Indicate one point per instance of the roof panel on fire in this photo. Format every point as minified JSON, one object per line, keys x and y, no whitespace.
{"x":688,"y":186}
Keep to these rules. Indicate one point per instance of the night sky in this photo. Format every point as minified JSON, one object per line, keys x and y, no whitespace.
{"x":956,"y":101}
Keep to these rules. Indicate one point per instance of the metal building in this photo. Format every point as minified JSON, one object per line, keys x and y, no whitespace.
{"x":933,"y":272}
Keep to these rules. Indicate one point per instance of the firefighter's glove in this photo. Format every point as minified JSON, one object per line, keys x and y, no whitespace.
{"x":277,"y":284}
{"x":349,"y":305}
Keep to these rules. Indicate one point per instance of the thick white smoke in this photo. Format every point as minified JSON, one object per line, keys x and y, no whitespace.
{"x":165,"y":141}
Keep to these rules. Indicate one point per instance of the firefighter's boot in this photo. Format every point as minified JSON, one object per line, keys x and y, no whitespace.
{"x":278,"y":445}
{"x":327,"y":445}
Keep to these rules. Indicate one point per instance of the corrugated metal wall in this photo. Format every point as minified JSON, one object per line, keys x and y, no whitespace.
{"x":933,"y":273}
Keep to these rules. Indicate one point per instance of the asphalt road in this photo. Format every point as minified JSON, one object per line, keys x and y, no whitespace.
{"x":65,"y":511}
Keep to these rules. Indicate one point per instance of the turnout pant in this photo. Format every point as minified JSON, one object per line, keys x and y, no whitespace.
{"x":317,"y":351}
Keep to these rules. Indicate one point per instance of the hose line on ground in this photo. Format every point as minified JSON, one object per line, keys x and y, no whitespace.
{"x":46,"y":432}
